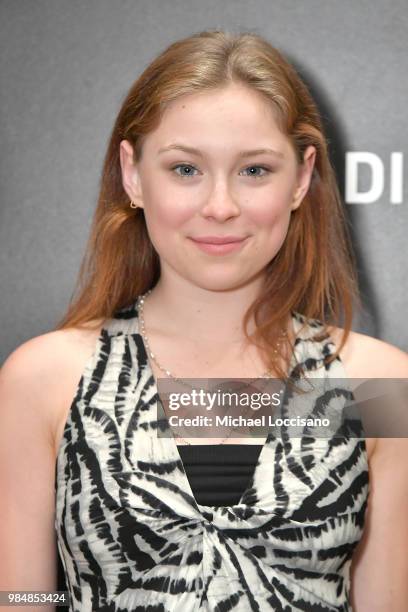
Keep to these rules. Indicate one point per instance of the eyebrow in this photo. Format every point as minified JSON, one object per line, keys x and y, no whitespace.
{"x":192,"y":150}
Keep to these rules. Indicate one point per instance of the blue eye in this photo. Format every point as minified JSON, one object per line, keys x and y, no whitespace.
{"x":186,"y":167}
{"x":257,"y":168}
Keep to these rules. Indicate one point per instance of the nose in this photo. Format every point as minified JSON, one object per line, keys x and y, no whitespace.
{"x":220,"y":203}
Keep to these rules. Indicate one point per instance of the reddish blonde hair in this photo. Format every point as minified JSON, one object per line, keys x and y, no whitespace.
{"x":314,"y":272}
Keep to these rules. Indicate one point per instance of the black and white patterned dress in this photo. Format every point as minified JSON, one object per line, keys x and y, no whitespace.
{"x":131,"y":535}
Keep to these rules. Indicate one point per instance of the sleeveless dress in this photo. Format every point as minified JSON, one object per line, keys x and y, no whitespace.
{"x":131,"y":534}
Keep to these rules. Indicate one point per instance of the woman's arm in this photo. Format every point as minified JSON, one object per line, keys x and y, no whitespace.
{"x":28,"y":559}
{"x":379,"y":572}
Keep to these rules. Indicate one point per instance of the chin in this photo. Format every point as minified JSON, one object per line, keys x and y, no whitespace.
{"x":219,"y":284}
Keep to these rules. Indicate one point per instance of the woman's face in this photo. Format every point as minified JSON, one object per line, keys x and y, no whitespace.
{"x":217,"y":165}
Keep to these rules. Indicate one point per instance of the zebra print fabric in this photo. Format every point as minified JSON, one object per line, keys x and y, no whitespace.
{"x":131,"y":535}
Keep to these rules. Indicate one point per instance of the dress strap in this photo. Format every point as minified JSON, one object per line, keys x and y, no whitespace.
{"x":124,"y":322}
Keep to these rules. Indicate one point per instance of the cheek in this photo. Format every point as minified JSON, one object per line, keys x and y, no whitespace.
{"x":273,"y":208}
{"x":164,"y":212}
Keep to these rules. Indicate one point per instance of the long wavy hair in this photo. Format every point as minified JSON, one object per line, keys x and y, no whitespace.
{"x":314,"y":272}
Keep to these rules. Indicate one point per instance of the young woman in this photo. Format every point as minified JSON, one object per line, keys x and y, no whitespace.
{"x":219,"y":249}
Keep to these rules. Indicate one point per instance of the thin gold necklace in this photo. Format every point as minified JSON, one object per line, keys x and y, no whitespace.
{"x":140,"y":306}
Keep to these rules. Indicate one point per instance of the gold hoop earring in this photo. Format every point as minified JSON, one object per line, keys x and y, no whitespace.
{"x":133,"y":204}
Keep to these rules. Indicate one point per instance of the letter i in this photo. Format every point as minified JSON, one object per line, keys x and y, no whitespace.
{"x":397,"y":183}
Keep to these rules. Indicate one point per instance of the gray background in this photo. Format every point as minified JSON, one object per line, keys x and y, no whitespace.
{"x":65,"y":69}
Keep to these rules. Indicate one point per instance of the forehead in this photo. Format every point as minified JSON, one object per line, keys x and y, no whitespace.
{"x":235,"y":112}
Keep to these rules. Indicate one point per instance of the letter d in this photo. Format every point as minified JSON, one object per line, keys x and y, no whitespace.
{"x":353,"y":196}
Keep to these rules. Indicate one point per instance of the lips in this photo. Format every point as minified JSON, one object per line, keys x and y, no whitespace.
{"x":220,"y":245}
{"x":219,"y":239}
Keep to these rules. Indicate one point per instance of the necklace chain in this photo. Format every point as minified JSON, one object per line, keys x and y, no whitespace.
{"x":140,"y":307}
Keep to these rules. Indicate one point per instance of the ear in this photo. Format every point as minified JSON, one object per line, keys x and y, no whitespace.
{"x":305,"y":171}
{"x":130,"y":173}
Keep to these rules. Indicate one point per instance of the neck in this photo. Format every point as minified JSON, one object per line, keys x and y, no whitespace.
{"x":199,"y":314}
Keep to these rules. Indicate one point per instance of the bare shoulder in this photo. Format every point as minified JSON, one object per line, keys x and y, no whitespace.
{"x":368,"y":357}
{"x":42,"y":374}
{"x":365,"y":358}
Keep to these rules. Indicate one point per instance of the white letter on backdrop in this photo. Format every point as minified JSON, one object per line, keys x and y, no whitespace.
{"x":353,"y":159}
{"x":397,"y":183}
